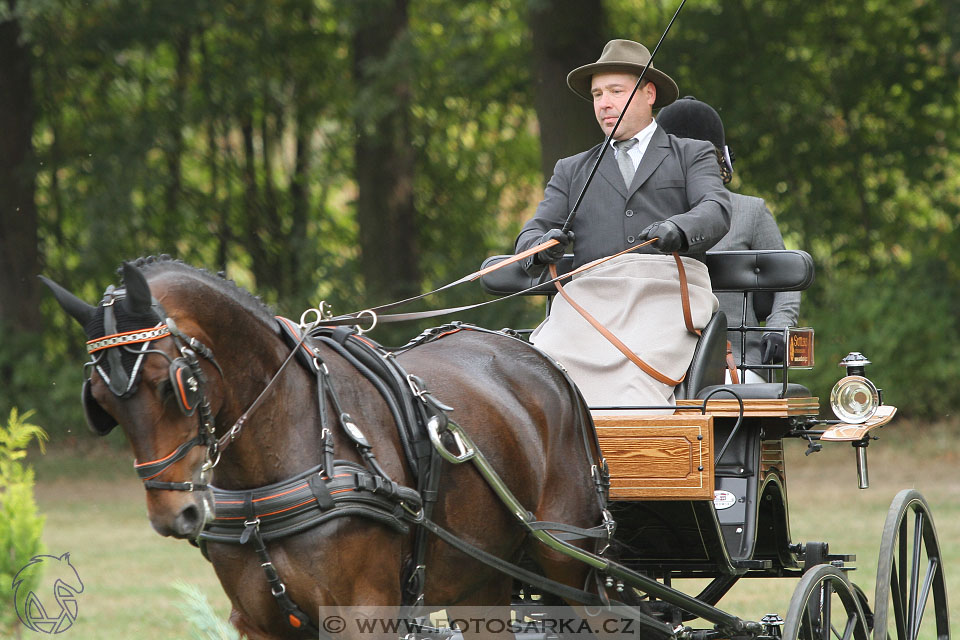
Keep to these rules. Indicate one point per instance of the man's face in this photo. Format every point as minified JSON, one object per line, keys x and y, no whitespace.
{"x":610,"y":92}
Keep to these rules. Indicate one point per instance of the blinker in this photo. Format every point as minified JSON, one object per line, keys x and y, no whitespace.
{"x":187,"y":383}
{"x":99,"y":421}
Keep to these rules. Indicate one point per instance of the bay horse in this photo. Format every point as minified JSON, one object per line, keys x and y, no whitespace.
{"x":169,"y":321}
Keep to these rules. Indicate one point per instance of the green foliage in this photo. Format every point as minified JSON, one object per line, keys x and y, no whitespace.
{"x":196,"y":609}
{"x":222,"y":132}
{"x":865,"y":313}
{"x":21,"y":526}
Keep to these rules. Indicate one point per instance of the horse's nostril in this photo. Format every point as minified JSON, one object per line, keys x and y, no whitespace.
{"x":188,"y":521}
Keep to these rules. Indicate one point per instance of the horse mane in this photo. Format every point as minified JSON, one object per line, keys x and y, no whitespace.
{"x":164,"y":263}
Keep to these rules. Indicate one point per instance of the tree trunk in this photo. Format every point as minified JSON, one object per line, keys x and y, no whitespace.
{"x":19,"y":257}
{"x":566,"y":35}
{"x":173,"y":189}
{"x":383,"y":154}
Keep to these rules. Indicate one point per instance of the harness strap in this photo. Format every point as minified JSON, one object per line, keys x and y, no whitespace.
{"x":352,"y":352}
{"x":685,"y":296}
{"x":568,"y":531}
{"x":174,"y":486}
{"x":528,"y":577}
{"x":732,"y":365}
{"x":296,"y":618}
{"x":149,"y":470}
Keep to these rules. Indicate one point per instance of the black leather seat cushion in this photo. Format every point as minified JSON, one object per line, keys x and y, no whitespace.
{"x":758,"y":391}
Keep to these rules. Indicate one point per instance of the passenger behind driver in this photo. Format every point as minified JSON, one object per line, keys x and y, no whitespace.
{"x":752,"y":227}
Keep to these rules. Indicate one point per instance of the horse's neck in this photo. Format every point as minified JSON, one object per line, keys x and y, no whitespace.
{"x":279,"y":436}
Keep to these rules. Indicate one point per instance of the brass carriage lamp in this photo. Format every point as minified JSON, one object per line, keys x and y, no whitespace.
{"x":854,"y":399}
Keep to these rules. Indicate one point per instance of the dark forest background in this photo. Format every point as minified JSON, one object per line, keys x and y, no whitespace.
{"x":358,"y":151}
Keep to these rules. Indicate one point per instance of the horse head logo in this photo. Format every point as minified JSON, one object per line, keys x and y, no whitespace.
{"x":52,"y":607}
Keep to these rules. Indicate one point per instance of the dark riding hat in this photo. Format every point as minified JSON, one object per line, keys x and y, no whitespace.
{"x":691,"y":118}
{"x":623,"y":56}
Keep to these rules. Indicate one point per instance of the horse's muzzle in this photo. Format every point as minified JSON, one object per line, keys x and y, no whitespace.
{"x":187,"y":519}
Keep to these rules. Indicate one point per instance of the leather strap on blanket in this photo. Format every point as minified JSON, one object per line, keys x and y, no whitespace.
{"x":615,"y":341}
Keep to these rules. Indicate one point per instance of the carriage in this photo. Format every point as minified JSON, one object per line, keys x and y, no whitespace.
{"x":702,"y":493}
{"x":421,"y":450}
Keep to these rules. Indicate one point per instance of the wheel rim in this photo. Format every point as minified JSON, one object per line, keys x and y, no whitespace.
{"x":825,"y":607}
{"x":911,"y":596}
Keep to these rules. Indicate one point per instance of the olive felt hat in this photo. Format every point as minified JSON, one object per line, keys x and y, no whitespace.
{"x":623,"y":56}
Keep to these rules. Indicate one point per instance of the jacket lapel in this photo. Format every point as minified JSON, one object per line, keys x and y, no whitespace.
{"x":657,"y":150}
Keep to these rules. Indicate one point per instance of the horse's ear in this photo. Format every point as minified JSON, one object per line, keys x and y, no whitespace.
{"x":138,"y":291}
{"x":78,"y":309}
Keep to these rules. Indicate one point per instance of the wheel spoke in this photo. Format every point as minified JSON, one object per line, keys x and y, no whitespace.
{"x":849,"y":629}
{"x":915,"y":571}
{"x":932,"y":567}
{"x":826,"y":595}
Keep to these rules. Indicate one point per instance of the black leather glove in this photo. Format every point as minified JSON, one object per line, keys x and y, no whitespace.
{"x":554,"y":253}
{"x":772,"y":348}
{"x":669,"y":236}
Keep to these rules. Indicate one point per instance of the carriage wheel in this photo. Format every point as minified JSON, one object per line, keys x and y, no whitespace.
{"x":909,"y":572}
{"x":824,"y":606}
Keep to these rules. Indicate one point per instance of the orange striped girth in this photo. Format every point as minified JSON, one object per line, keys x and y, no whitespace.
{"x":307,"y":500}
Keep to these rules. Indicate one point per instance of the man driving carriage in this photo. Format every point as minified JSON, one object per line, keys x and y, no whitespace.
{"x":650,"y":185}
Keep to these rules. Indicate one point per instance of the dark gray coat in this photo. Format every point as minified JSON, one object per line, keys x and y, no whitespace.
{"x":678,"y":179}
{"x":753,"y":227}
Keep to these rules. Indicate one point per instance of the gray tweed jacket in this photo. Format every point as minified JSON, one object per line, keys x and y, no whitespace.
{"x":678,"y":179}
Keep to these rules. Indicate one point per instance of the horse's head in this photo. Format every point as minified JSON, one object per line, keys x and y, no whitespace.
{"x":157,"y":378}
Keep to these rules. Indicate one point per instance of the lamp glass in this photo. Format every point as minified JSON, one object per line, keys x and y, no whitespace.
{"x":854,"y":399}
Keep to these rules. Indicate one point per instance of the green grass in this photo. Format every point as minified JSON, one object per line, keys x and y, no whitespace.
{"x":95,"y":509}
{"x":826,"y":505}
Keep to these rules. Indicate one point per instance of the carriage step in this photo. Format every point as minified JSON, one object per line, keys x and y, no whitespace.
{"x":752,"y":564}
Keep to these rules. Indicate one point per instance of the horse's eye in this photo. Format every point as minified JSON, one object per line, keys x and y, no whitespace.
{"x":164,"y":390}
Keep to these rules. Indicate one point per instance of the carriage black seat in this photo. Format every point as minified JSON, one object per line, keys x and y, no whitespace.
{"x":754,"y":391}
{"x":709,"y":359}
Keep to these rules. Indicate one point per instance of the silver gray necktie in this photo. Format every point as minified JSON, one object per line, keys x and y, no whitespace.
{"x":624,"y":160}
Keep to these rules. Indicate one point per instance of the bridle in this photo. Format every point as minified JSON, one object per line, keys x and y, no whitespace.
{"x":186,"y":378}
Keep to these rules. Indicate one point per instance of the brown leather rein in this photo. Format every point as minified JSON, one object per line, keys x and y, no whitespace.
{"x":617,"y":342}
{"x":374,"y":317}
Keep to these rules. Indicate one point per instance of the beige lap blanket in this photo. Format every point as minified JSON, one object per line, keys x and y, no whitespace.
{"x":636,"y":297}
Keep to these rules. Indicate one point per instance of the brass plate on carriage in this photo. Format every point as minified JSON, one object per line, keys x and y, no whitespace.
{"x":663,"y":457}
{"x":800,"y":348}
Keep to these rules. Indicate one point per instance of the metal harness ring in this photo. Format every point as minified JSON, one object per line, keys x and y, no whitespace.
{"x":373,"y":321}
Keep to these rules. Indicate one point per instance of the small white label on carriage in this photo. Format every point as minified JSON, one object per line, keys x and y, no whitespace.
{"x":723,"y":499}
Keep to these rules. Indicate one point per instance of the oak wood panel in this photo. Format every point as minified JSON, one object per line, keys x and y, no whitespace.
{"x":661,"y":457}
